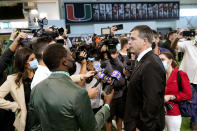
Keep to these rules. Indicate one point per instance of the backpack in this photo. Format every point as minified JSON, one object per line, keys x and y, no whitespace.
{"x":188,"y":108}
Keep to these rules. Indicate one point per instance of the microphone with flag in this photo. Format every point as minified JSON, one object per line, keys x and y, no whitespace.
{"x":116,"y":75}
{"x":101,"y":76}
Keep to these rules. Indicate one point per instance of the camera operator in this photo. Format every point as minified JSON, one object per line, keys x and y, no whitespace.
{"x":189,"y":64}
{"x":82,"y":66}
{"x":112,"y":62}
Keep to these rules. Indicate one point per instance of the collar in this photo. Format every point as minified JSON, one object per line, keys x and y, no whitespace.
{"x":61,"y":72}
{"x":122,"y":53}
{"x":43,"y":67}
{"x":143,"y":53}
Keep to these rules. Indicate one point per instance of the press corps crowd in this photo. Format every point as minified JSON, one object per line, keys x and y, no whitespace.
{"x":50,"y":86}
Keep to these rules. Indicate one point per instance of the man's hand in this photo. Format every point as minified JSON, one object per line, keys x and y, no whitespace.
{"x":13,"y":35}
{"x":92,"y":92}
{"x":88,"y":74}
{"x":84,"y":55}
{"x":109,"y":80}
{"x":108,"y":98}
{"x":126,"y":72}
{"x":17,"y":41}
{"x":21,"y":36}
{"x":167,"y":98}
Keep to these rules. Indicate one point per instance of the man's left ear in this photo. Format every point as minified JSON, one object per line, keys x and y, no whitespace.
{"x":145,"y":41}
{"x":64,"y":61}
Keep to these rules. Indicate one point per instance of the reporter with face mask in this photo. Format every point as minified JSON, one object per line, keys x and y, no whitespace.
{"x":172,"y":94}
{"x":18,"y":85}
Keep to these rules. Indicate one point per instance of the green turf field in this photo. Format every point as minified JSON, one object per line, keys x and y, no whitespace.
{"x":185,"y":126}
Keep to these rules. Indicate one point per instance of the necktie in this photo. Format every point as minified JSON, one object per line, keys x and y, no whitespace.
{"x":136,"y":63}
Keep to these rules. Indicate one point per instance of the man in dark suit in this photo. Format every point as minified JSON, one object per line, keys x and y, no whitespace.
{"x":145,"y":99}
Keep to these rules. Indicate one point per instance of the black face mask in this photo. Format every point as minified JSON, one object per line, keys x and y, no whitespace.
{"x":72,"y":70}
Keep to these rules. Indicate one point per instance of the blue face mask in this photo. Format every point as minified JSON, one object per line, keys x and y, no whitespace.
{"x":165,"y":65}
{"x":33,"y":64}
{"x":90,"y":59}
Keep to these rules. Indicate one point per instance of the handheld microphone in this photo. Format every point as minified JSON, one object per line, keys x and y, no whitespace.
{"x":115,"y":75}
{"x":100,"y":75}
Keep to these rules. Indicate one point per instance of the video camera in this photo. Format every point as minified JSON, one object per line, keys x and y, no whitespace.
{"x":109,"y":40}
{"x":188,"y":33}
{"x":30,"y":34}
{"x":107,"y":31}
{"x":90,"y":50}
{"x":41,"y":22}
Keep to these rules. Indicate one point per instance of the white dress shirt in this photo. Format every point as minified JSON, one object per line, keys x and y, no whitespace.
{"x":143,"y":53}
{"x":41,"y":73}
{"x":189,"y":62}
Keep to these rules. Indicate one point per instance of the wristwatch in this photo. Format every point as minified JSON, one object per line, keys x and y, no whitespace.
{"x":173,"y":97}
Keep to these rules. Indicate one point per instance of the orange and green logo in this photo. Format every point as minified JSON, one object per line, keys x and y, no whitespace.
{"x":71,"y":14}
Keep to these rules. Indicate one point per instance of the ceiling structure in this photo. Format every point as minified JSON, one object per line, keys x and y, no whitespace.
{"x":183,"y":2}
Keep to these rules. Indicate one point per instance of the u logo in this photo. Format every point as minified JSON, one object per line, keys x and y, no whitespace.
{"x":71,"y":13}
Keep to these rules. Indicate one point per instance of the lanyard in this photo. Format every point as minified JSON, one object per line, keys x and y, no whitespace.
{"x":61,"y":72}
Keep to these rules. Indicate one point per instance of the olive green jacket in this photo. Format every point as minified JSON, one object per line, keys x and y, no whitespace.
{"x":58,"y":104}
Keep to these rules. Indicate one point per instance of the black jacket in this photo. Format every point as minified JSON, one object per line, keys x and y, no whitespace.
{"x":145,"y":98}
{"x":6,"y":117}
{"x":118,"y":85}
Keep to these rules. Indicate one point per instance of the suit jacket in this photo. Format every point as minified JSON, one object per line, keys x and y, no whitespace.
{"x":145,"y":98}
{"x":58,"y":104}
{"x":17,"y":93}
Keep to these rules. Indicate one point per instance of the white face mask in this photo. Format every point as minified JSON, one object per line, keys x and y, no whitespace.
{"x":165,"y":64}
